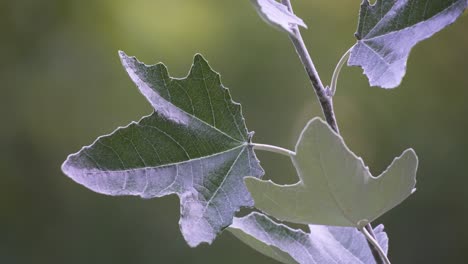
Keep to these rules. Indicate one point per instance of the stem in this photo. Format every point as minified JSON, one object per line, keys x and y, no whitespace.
{"x":336,"y":72}
{"x":375,"y":244}
{"x":274,"y":149}
{"x":325,"y":97}
{"x":375,"y":252}
{"x":323,"y":94}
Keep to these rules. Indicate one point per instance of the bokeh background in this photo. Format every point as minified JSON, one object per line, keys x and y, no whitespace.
{"x":62,"y":85}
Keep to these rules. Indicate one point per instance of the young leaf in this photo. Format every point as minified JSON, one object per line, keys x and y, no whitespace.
{"x":324,"y":244}
{"x":277,"y":15}
{"x":389,"y":29}
{"x":195,"y":145}
{"x":335,"y":186}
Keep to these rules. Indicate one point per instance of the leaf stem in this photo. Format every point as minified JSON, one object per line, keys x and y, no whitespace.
{"x":377,"y":256}
{"x":323,"y":94}
{"x":274,"y":149}
{"x":375,"y":244}
{"x":336,"y":72}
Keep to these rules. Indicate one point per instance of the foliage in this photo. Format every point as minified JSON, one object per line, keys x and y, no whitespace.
{"x":390,"y":28}
{"x":324,"y":244}
{"x":196,"y":145}
{"x":277,"y":15}
{"x":335,"y":182}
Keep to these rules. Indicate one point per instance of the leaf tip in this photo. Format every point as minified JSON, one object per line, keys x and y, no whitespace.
{"x":411,"y":153}
{"x":365,"y":3}
{"x":121,"y":53}
{"x":315,"y":122}
{"x":123,"y":57}
{"x":278,"y":15}
{"x":198,"y":57}
{"x":199,"y":62}
{"x":70,"y":169}
{"x":64,"y":166}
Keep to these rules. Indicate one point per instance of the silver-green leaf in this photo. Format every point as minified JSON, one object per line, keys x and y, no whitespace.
{"x":195,"y":145}
{"x":324,"y":244}
{"x":277,"y":15}
{"x":389,"y":29}
{"x":335,"y":186}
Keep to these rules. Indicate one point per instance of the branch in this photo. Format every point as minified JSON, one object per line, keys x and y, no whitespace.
{"x":324,"y":95}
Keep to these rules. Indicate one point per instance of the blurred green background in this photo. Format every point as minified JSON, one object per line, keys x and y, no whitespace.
{"x":62,"y":85}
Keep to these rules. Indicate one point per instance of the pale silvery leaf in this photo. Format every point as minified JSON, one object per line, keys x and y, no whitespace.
{"x":324,"y":244}
{"x":277,"y":15}
{"x":335,"y":186}
{"x":195,"y":145}
{"x":389,"y":29}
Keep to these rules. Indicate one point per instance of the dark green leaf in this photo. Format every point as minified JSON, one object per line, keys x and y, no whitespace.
{"x":195,"y":145}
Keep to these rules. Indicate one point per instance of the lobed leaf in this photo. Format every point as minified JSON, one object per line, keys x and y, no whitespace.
{"x":195,"y":145}
{"x":335,"y":186}
{"x":389,"y":29}
{"x":324,"y":244}
{"x":277,"y":15}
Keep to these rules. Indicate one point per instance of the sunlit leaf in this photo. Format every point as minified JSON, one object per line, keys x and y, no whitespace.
{"x":324,"y":244}
{"x":195,"y":145}
{"x":335,"y":186}
{"x":277,"y":15}
{"x":389,"y":29}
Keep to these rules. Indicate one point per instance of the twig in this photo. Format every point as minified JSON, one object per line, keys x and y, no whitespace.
{"x":323,"y":94}
{"x":375,"y":244}
{"x":336,"y":72}
{"x":274,"y":149}
{"x":325,"y":97}
{"x":375,"y":251}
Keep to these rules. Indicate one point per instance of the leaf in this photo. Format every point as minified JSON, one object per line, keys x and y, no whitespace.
{"x":195,"y":145}
{"x":277,"y":15}
{"x":324,"y":244}
{"x":335,"y":186}
{"x":389,"y":29}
